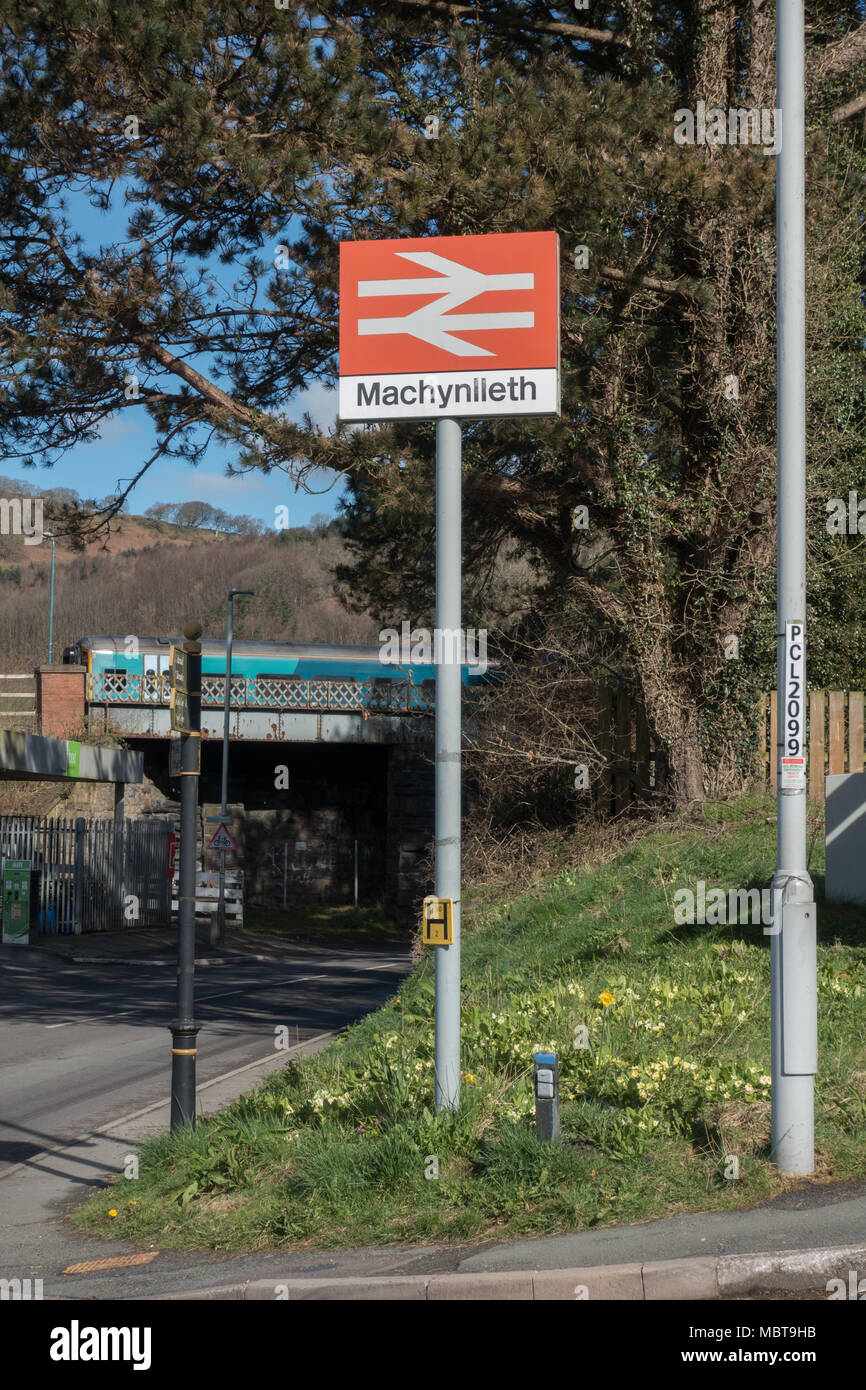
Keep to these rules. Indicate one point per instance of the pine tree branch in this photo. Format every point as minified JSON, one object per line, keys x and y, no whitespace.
{"x":208,"y":390}
{"x":648,"y":282}
{"x":542,"y":26}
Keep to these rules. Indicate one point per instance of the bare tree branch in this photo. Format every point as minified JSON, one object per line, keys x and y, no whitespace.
{"x":851,"y":108}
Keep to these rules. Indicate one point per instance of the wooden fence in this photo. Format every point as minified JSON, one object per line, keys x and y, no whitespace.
{"x":633,"y":769}
{"x":834,"y":737}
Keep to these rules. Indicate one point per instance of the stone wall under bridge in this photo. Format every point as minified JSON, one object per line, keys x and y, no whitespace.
{"x":378,"y":794}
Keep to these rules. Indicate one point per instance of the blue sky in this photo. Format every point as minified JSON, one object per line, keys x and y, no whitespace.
{"x":128,"y":439}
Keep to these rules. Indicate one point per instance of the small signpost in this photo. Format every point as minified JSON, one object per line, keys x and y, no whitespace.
{"x":179,"y":669}
{"x":180,"y":719}
{"x":179,"y":679}
{"x":221,"y":839}
{"x":174,"y":756}
{"x":444,"y":329}
{"x":438,"y":922}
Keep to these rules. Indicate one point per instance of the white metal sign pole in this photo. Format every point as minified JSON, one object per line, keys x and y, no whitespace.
{"x":793,"y":988}
{"x":448,"y":746}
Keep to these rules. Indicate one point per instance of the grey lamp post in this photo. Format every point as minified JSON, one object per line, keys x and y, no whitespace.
{"x":221,"y":909}
{"x":793,"y":967}
{"x":48,"y":536}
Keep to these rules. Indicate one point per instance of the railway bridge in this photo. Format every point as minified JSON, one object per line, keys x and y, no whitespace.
{"x":330,"y":766}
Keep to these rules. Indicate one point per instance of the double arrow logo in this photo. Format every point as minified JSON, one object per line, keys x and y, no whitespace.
{"x":458,"y":284}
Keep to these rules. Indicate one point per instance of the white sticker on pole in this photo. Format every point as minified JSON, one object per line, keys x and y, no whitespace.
{"x":793,"y":761}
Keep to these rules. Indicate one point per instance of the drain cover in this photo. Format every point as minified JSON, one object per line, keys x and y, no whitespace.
{"x":113,"y":1262}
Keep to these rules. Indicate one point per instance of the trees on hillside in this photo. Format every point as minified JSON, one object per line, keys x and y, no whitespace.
{"x":201,"y":516}
{"x":159,"y":589}
{"x":262,"y":137}
{"x":198,"y":514}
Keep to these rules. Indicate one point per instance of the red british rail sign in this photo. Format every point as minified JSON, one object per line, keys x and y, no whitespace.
{"x":449,"y":326}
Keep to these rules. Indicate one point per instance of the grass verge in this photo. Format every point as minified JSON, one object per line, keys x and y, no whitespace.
{"x":662,"y":1086}
{"x":323,"y":925}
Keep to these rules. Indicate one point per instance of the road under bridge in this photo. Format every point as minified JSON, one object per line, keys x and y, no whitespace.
{"x":319,"y":772}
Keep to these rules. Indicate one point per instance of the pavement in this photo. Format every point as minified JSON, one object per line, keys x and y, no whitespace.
{"x":762,"y":1276}
{"x":789,"y":1247}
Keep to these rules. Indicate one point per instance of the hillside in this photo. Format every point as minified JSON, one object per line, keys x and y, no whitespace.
{"x":153,"y":577}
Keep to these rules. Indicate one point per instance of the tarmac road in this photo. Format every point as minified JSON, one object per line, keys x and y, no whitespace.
{"x":83,"y":1044}
{"x":85,"y":1068}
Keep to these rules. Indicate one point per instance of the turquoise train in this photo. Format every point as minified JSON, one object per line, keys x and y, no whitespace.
{"x":133,"y":656}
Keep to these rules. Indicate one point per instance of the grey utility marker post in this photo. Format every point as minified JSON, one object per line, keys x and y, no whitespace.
{"x":793,"y":986}
{"x":546,"y":1068}
{"x":224,"y":780}
{"x":184,"y":1029}
{"x":449,"y":578}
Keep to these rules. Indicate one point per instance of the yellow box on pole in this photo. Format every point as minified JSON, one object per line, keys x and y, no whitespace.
{"x":438,"y":921}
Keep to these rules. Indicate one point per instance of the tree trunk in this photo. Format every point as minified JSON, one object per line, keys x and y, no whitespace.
{"x":671,"y":715}
{"x":688,"y":771}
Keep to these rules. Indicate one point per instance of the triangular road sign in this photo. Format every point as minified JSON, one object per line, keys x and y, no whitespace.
{"x":221,"y":839}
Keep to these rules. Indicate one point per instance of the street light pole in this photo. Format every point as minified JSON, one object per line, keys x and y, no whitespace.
{"x":184,"y":1029}
{"x":793,"y":973}
{"x":48,"y":536}
{"x":224,"y":785}
{"x":449,"y":619}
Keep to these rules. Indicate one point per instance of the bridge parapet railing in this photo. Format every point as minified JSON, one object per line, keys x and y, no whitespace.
{"x":379,"y":695}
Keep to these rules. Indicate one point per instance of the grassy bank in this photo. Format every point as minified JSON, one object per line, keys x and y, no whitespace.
{"x":663,"y":1036}
{"x":326,"y":926}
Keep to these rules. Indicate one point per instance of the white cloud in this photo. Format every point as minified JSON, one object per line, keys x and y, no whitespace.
{"x":321,"y":405}
{"x":118,"y":426}
{"x":194,"y":485}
